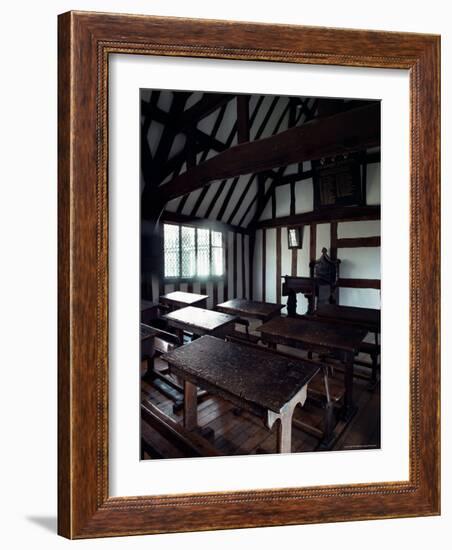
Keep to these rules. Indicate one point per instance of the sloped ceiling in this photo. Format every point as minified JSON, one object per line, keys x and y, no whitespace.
{"x":183,"y":129}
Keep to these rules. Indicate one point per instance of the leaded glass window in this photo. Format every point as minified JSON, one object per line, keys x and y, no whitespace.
{"x":217,"y":253}
{"x":188,"y":251}
{"x":191,"y":252}
{"x":171,"y":237}
{"x":203,"y":253}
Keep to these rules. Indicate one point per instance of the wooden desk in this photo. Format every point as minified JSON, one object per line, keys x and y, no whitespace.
{"x":264,"y":383}
{"x":367,"y":318}
{"x":248,"y":308}
{"x":200,"y":321}
{"x":320,"y":337}
{"x":180,"y":299}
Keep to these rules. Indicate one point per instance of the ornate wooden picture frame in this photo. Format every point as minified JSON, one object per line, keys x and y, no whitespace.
{"x":85,"y":42}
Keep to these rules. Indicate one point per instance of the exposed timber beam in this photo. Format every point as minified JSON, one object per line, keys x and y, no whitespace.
{"x":349,"y":131}
{"x":358,"y":242}
{"x":333,"y":214}
{"x":201,"y":222}
{"x":359,"y":283}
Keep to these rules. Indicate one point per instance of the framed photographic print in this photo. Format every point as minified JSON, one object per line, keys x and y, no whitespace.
{"x":248,"y":275}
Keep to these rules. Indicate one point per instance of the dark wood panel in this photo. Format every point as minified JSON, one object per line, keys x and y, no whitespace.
{"x":278,"y":265}
{"x":313,"y":242}
{"x":359,"y":283}
{"x":235,"y":276}
{"x":357,"y":242}
{"x":338,"y":214}
{"x":174,"y":217}
{"x":226,"y":266}
{"x":264,"y":263}
{"x":243,"y":268}
{"x":333,"y":254}
{"x":294,"y":260}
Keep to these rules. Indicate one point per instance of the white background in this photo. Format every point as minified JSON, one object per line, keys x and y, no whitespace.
{"x":28,"y":270}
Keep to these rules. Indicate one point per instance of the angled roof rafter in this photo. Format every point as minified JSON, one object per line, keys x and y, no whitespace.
{"x":345,"y":132}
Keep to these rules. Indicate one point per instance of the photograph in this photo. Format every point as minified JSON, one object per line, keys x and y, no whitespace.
{"x":260,"y":274}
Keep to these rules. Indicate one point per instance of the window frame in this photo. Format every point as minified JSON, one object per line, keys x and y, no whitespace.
{"x":195,"y":278}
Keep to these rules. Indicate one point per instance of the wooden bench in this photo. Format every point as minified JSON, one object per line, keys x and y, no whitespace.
{"x":165,"y":341}
{"x":374,"y":351}
{"x":191,"y":444}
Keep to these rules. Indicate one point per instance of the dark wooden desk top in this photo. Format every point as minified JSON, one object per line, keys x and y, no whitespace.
{"x":146,"y":331}
{"x":307,"y":331}
{"x":357,"y":316}
{"x":261,"y":379}
{"x":248,"y":308}
{"x":183,"y":298}
{"x":197,"y":318}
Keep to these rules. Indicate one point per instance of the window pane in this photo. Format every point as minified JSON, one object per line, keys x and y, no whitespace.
{"x":171,"y":246}
{"x":216,"y":238}
{"x":203,"y":253}
{"x":188,"y":252}
{"x":217,"y":261}
{"x":293,"y":237}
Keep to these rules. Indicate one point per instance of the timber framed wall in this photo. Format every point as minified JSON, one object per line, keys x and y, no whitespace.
{"x":355,"y":242}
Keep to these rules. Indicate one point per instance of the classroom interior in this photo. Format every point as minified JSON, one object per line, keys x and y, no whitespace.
{"x":260,"y":274}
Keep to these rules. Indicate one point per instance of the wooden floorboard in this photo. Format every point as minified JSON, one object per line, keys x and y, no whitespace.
{"x":238,"y":432}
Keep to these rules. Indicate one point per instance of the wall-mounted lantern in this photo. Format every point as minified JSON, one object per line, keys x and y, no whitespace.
{"x":295,"y":237}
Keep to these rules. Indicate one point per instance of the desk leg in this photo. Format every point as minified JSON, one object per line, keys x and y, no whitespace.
{"x":190,"y":406}
{"x":349,"y":408}
{"x":180,"y":335}
{"x":284,"y":434}
{"x":284,"y":421}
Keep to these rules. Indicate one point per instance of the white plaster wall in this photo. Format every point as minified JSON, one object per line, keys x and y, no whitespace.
{"x":369,"y":228}
{"x":270,"y":266}
{"x":360,"y":297}
{"x":257,"y":267}
{"x":304,"y":196}
{"x":373,"y":183}
{"x":282,"y":201}
{"x":359,"y":263}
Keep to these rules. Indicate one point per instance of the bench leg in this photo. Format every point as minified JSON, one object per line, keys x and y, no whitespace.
{"x":374,"y":377}
{"x":328,"y":438}
{"x":150,"y":372}
{"x":190,"y":406}
{"x":349,"y":408}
